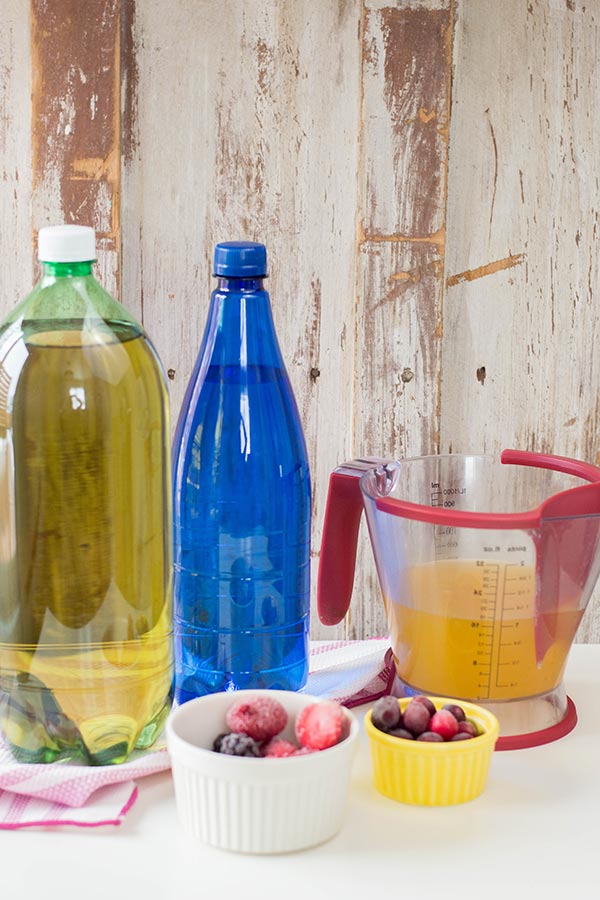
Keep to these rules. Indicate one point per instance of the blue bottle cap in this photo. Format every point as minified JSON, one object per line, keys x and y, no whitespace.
{"x":240,"y":259}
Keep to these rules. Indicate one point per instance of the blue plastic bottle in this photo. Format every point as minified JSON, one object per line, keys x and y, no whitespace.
{"x":241,"y":499}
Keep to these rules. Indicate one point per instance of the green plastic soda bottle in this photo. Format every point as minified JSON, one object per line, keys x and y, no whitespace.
{"x":85,"y":519}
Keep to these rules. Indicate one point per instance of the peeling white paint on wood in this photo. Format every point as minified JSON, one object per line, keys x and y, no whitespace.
{"x":405,"y":110}
{"x":522,"y":221}
{"x":16,"y":251}
{"x":75,"y":113}
{"x":255,"y":138}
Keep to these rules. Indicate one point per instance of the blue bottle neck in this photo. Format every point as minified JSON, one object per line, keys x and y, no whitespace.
{"x":240,"y":329}
{"x":239,"y":285}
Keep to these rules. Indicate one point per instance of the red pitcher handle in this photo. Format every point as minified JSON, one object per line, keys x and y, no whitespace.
{"x":338,"y":547}
{"x":340,"y":536}
{"x":576,"y":467}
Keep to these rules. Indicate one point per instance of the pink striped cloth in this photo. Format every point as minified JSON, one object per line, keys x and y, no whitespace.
{"x":352,"y":672}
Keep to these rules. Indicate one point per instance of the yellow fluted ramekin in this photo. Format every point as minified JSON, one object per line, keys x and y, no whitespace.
{"x":433,"y":774}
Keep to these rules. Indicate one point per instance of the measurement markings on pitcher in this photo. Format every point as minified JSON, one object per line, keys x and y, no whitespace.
{"x":488,"y":600}
{"x":514,"y":609}
{"x":444,"y":536}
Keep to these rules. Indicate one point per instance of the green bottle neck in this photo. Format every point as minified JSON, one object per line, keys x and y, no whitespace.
{"x":67,"y":269}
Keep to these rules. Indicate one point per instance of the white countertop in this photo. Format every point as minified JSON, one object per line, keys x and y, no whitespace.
{"x":534,"y":832}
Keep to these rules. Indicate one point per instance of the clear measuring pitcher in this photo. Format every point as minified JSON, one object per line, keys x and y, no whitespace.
{"x":486,"y":565}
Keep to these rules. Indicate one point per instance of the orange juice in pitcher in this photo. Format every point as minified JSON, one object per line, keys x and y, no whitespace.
{"x":472,"y":631}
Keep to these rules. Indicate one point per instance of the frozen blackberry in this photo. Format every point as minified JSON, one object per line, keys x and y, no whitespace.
{"x":217,"y":741}
{"x":235,"y":744}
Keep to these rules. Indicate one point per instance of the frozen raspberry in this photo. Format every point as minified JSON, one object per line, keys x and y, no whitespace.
{"x":304,"y":751}
{"x":320,"y":725}
{"x":278,"y":749}
{"x":261,"y":718}
{"x":236,"y":744}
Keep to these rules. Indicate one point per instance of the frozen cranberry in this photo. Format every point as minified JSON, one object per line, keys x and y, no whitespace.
{"x":386,"y":714}
{"x":467,"y":728}
{"x":401,"y":733}
{"x":444,"y":723}
{"x":416,"y":717}
{"x":431,"y":737}
{"x":426,"y":703}
{"x":456,"y":710}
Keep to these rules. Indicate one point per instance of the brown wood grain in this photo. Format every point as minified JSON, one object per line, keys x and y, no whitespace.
{"x":75,"y":61}
{"x":406,"y":85}
{"x":523,"y":226}
{"x":15,"y":156}
{"x":245,"y":126}
{"x":407,"y":78}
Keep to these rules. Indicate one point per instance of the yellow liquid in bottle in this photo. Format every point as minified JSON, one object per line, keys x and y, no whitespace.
{"x":85,"y":560}
{"x":470,"y":632}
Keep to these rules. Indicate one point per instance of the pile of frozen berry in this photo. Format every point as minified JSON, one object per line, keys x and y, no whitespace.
{"x":255,"y":724}
{"x":422,"y":722}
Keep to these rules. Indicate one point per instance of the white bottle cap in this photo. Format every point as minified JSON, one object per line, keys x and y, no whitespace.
{"x":66,"y":243}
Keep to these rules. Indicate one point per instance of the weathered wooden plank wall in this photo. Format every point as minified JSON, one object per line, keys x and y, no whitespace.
{"x":405,"y":102}
{"x":423,"y":171}
{"x":522,"y":256}
{"x":75,"y":127}
{"x":15,"y":155}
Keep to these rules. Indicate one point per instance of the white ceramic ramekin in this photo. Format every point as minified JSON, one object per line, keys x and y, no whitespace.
{"x":256,"y":805}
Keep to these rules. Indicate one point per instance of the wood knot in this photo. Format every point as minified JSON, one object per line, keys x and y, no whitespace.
{"x":171,"y":374}
{"x":407,"y":375}
{"x":314,"y":374}
{"x":481,"y":374}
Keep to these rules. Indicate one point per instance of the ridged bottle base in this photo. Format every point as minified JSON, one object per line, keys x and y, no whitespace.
{"x":109,"y":740}
{"x":205,"y":681}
